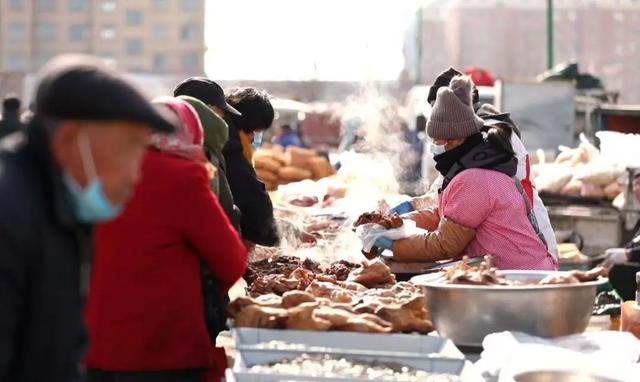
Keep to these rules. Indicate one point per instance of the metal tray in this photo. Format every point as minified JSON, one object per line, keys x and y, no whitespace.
{"x":248,"y":358}
{"x":350,"y":342}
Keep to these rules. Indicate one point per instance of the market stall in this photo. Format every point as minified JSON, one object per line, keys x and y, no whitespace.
{"x":588,"y":191}
{"x":319,"y":311}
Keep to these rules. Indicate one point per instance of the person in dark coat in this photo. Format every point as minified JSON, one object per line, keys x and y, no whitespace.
{"x":10,"y":122}
{"x":245,"y":135}
{"x":248,"y":112}
{"x":75,"y":164}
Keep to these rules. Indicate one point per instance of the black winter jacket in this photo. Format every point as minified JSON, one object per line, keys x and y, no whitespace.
{"x":249,"y":194}
{"x":42,"y":249}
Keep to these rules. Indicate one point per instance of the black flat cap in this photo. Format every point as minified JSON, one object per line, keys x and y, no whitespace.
{"x":82,"y":87}
{"x":206,"y":91}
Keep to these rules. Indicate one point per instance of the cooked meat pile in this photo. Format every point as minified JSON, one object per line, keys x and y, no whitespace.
{"x":481,"y":274}
{"x":305,"y":300}
{"x":372,"y":274}
{"x":341,"y":269}
{"x":278,"y":265}
{"x":388,"y":221}
{"x":485,"y":274}
{"x":330,"y":366}
{"x":575,"y":276}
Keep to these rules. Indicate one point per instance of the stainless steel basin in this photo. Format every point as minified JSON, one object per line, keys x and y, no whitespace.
{"x":467,"y":313}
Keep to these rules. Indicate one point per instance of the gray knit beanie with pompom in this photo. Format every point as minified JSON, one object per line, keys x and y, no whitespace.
{"x":452,"y":116}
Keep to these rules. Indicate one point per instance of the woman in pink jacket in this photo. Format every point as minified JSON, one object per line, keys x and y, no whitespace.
{"x":482,"y":208}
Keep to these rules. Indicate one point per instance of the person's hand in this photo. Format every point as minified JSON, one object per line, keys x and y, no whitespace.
{"x":403,"y":208}
{"x":615,"y":256}
{"x":384,"y":243}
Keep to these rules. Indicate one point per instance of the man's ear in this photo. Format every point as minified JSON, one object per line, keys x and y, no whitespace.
{"x":62,"y":139}
{"x":64,"y":144}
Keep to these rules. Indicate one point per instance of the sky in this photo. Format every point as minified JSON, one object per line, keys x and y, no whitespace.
{"x":336,"y":40}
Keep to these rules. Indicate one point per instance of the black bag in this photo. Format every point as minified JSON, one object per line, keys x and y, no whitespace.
{"x":215,"y":305}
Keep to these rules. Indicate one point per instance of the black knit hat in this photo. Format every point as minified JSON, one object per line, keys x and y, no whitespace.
{"x":444,"y":79}
{"x":206,"y":91}
{"x":81,"y":87}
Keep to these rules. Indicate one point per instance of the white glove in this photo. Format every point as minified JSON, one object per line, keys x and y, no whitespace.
{"x":615,"y":256}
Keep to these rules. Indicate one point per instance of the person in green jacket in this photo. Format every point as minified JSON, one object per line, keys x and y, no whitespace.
{"x":216,"y":134}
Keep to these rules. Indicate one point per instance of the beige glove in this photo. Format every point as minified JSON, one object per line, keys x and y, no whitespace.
{"x":446,"y":242}
{"x":426,"y":219}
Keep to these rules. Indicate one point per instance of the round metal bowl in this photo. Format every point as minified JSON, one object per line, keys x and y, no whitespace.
{"x":467,"y":313}
{"x":559,"y":376}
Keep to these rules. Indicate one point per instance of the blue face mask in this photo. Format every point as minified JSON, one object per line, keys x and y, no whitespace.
{"x":257,"y":140}
{"x":90,"y":204}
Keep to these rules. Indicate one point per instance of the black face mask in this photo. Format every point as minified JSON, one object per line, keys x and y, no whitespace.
{"x":474,"y":152}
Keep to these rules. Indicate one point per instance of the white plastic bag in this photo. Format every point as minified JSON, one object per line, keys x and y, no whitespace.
{"x":552,"y":177}
{"x":599,"y":172}
{"x":612,"y":353}
{"x":369,"y":233}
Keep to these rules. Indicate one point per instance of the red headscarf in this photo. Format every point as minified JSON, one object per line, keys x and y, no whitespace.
{"x":188,"y":138}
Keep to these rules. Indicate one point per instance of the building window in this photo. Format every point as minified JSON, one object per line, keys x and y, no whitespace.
{"x":160,"y":5}
{"x":78,"y":32}
{"x":17,"y":5}
{"x":134,"y":17}
{"x":160,"y":32}
{"x":190,"y":5}
{"x":134,"y":47}
{"x":108,"y":32}
{"x":78,"y":5}
{"x":108,"y":5}
{"x":17,"y":31}
{"x":46,"y":31}
{"x":190,"y":61}
{"x":45,"y":5}
{"x":16,"y":60}
{"x":42,"y":57}
{"x":160,"y":61}
{"x":188,"y":32}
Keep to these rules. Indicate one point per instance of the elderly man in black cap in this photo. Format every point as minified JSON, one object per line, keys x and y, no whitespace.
{"x":76,"y":164}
